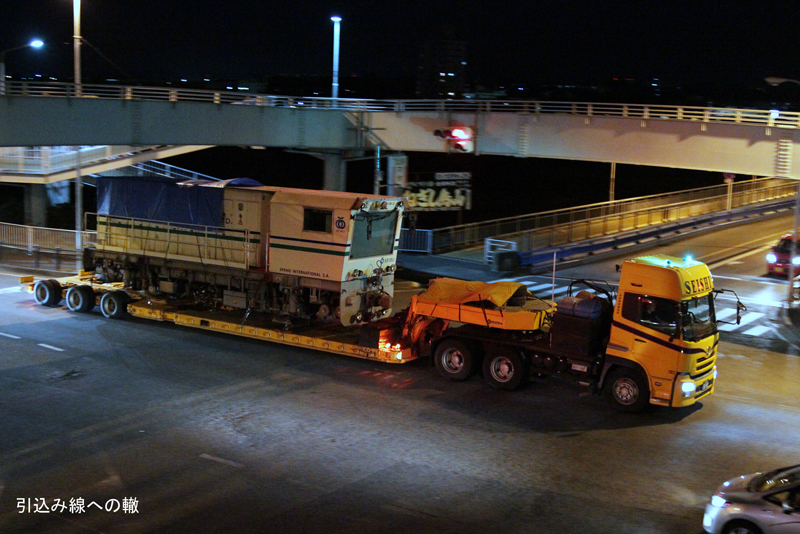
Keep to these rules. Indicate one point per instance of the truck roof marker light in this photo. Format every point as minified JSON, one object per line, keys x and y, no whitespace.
{"x":688,"y":258}
{"x":668,"y":263}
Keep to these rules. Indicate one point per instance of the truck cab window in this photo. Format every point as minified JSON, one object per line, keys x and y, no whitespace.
{"x":654,"y":313}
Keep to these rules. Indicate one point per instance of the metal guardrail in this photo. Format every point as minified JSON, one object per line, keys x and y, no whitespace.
{"x":756,"y":117}
{"x":415,"y":241}
{"x":558,"y":227}
{"x":30,"y":238}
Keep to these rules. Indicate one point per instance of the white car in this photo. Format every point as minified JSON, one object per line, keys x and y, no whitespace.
{"x":760,"y":503}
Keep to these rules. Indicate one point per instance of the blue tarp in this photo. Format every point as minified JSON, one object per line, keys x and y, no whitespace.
{"x":159,"y":199}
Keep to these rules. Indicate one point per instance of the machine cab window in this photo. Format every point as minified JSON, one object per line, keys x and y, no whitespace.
{"x":315,"y":220}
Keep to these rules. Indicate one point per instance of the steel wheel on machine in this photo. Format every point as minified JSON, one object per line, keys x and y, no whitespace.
{"x":47,"y":292}
{"x":455,"y":359}
{"x":114,"y":304}
{"x":505,"y":369}
{"x":80,"y":298}
{"x":628,"y":390}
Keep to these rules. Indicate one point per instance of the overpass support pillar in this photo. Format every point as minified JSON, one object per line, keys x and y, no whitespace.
{"x":35,"y":205}
{"x":335,"y":178}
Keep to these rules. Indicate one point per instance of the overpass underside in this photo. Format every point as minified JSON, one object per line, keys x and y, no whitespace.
{"x":745,"y":142}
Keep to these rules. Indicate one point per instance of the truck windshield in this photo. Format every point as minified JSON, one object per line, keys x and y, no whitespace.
{"x":373,"y":234}
{"x":698,"y":318}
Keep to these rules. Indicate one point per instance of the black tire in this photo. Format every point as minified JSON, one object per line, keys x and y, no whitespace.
{"x":628,"y":390}
{"x":114,"y":304}
{"x":740,"y":526}
{"x":455,"y":359}
{"x":47,"y":293}
{"x":505,"y":369}
{"x":80,"y":299}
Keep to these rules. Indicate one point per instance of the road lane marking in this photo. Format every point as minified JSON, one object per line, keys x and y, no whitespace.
{"x":220,"y":460}
{"x":10,"y":290}
{"x":747,"y":319}
{"x":9,"y":335}
{"x":757,"y":330}
{"x":722,"y":314}
{"x":763,"y":249}
{"x":50,"y":347}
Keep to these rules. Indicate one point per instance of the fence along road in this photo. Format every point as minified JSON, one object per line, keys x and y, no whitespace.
{"x":571,"y":225}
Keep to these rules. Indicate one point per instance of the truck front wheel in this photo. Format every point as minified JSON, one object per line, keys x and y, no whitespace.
{"x":505,"y":369}
{"x":628,"y":390}
{"x":455,"y":359}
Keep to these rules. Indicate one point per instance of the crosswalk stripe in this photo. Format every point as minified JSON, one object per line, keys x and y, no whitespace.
{"x":724,"y":313}
{"x":534,"y":289}
{"x":757,"y":330}
{"x":747,"y":319}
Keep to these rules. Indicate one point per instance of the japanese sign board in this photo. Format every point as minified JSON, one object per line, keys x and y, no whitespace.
{"x":450,"y":191}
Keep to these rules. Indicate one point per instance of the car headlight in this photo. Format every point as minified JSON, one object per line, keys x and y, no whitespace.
{"x":718,"y":501}
{"x":772,"y":258}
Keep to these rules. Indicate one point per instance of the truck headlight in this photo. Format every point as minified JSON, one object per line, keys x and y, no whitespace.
{"x":772,"y":258}
{"x":687,"y":388}
{"x":796,"y":260}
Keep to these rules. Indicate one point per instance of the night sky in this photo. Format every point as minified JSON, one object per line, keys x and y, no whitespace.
{"x":564,"y":41}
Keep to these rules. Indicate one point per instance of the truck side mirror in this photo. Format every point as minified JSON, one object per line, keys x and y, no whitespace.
{"x":739,"y":308}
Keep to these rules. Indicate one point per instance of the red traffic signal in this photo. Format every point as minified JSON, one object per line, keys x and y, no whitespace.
{"x":459,"y":137}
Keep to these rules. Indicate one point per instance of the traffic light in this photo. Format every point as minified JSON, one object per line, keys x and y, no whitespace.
{"x":459,"y":138}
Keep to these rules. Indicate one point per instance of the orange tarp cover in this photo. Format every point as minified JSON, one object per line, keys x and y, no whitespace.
{"x":452,"y":291}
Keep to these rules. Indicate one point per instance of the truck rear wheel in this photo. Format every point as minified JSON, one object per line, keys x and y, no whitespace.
{"x":80,"y":299}
{"x":455,"y":359}
{"x":114,"y":304}
{"x":505,"y":369}
{"x":47,"y":292}
{"x":628,"y":390}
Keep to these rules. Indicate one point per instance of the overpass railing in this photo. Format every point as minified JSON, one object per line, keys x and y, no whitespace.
{"x":570,"y":225}
{"x":47,"y":160}
{"x":756,"y":117}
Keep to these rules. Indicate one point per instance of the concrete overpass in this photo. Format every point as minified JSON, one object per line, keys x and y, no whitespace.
{"x":741,"y":141}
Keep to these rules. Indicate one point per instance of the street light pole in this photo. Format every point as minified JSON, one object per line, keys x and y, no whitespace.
{"x":335,"y":84}
{"x":775,"y":80}
{"x":36,"y":43}
{"x":76,"y":44}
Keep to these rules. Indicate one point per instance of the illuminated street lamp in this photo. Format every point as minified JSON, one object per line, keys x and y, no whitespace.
{"x":774,"y":80}
{"x":335,"y":84}
{"x":36,"y":43}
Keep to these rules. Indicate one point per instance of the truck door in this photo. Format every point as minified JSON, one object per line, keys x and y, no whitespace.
{"x":653,"y":324}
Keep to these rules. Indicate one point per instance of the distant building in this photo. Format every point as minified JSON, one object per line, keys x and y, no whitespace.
{"x":442,"y":67}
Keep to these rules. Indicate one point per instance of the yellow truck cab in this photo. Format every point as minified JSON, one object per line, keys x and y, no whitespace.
{"x":655,"y":342}
{"x":664,"y":326}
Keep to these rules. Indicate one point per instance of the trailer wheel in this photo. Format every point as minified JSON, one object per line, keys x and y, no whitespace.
{"x":505,"y":369}
{"x":47,"y":292}
{"x":114,"y":304}
{"x":80,"y":299}
{"x":628,"y":390}
{"x":455,"y":359}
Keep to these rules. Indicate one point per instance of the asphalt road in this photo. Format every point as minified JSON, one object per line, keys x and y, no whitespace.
{"x":204,"y":432}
